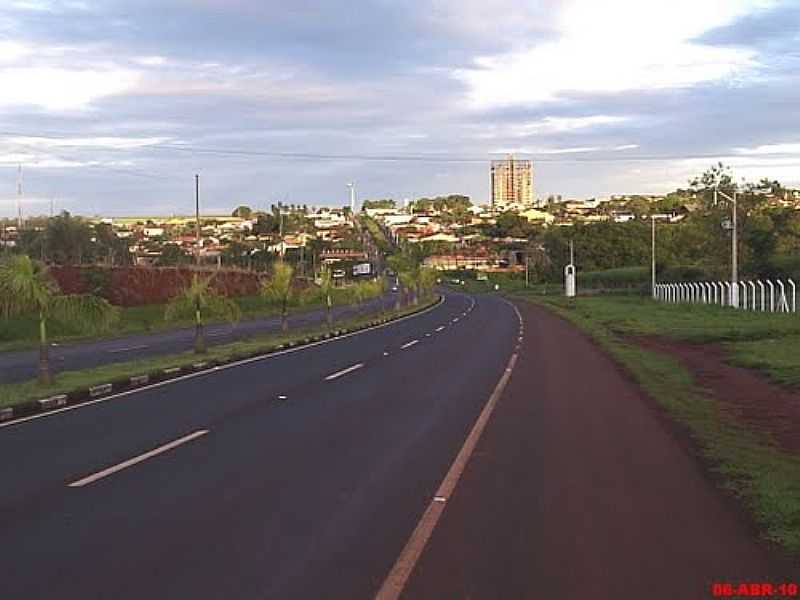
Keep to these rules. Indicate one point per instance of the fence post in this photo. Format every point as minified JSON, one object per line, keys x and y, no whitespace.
{"x":752,"y":295}
{"x":771,"y":295}
{"x":744,"y":295}
{"x":794,"y":295}
{"x":783,"y":305}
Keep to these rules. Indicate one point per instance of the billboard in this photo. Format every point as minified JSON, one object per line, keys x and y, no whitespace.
{"x":362,"y":269}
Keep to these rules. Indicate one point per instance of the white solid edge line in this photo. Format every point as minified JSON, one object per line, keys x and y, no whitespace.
{"x":213,"y":370}
{"x":137,"y":459}
{"x":396,"y":580}
{"x":409,"y":344}
{"x":338,"y":374}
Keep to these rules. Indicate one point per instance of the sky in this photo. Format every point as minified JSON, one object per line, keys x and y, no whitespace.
{"x":113,"y":107}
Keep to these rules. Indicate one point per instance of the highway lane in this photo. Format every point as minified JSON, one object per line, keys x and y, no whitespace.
{"x":22,"y":365}
{"x":309,"y":497}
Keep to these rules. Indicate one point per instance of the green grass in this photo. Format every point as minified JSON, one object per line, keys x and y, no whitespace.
{"x":629,"y":315}
{"x":22,"y":333}
{"x":766,"y":478}
{"x":778,"y":358}
{"x":67,"y":381}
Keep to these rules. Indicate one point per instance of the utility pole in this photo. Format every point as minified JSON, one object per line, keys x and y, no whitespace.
{"x":527,"y":277}
{"x":19,"y":199}
{"x":352,"y":187}
{"x":653,"y":256}
{"x":735,"y":256}
{"x":197,"y":218}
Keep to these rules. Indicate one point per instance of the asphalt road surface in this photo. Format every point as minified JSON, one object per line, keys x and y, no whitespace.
{"x":307,"y":497}
{"x":307,"y":475}
{"x":22,"y":365}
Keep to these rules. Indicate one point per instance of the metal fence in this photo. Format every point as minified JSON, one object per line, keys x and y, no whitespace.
{"x":761,"y":296}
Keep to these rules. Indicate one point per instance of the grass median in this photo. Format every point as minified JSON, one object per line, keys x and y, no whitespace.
{"x":765,"y":477}
{"x":22,"y":333}
{"x":69,"y":381}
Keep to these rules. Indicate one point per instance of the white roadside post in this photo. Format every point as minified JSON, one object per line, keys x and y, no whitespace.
{"x":569,"y":273}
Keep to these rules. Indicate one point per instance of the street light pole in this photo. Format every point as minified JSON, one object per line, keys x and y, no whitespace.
{"x":734,"y":299}
{"x":197,"y":218}
{"x":527,"y":277}
{"x":653,"y":256}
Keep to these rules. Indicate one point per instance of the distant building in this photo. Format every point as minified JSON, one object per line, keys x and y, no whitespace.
{"x":512,"y":184}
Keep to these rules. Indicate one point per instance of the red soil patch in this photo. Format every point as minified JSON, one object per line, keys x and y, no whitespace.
{"x":743,"y":393}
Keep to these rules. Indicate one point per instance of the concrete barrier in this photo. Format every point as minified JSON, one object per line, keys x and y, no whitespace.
{"x":52,"y":402}
{"x":99,"y":390}
{"x":139,"y":379}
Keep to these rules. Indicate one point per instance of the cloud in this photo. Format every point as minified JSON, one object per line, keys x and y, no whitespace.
{"x":114,"y":143}
{"x":767,"y":149}
{"x":599,"y":52}
{"x":564,"y":124}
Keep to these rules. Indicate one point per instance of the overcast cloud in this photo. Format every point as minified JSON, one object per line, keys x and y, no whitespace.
{"x":113,"y":106}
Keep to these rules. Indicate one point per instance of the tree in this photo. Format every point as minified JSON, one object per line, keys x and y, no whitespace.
{"x":427,"y":279}
{"x":326,"y":291}
{"x":173,"y":255}
{"x":197,"y":299}
{"x":243,"y":212}
{"x":384,"y":203}
{"x":279,"y":290}
{"x":405,"y":265}
{"x":26,"y":288}
{"x":68,"y":239}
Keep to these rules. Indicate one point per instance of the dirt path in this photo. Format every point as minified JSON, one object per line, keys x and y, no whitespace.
{"x":744,"y":393}
{"x":579,"y":489}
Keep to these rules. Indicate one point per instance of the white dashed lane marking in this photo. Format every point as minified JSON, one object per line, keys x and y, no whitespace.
{"x":338,"y":374}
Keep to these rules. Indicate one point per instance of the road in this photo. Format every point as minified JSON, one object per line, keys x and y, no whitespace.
{"x":309,"y":474}
{"x":22,"y":365}
{"x":308,"y":497}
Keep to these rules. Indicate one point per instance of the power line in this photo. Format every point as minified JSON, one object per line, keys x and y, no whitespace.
{"x":547,"y":157}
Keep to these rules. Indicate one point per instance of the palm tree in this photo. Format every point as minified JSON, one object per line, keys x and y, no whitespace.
{"x":26,"y":288}
{"x":427,"y":279}
{"x":198,"y":298}
{"x":404,"y":267}
{"x":279,"y":290}
{"x":326,"y":291}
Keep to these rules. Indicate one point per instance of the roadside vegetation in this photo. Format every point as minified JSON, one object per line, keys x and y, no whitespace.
{"x":22,"y":332}
{"x":28,"y":290}
{"x":766,"y":477}
{"x":17,"y":393}
{"x":199,"y":300}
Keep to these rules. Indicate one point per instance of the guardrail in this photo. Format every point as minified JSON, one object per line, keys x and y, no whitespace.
{"x":758,"y":295}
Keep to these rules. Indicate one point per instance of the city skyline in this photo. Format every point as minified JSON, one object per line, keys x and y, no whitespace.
{"x":110,"y":107}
